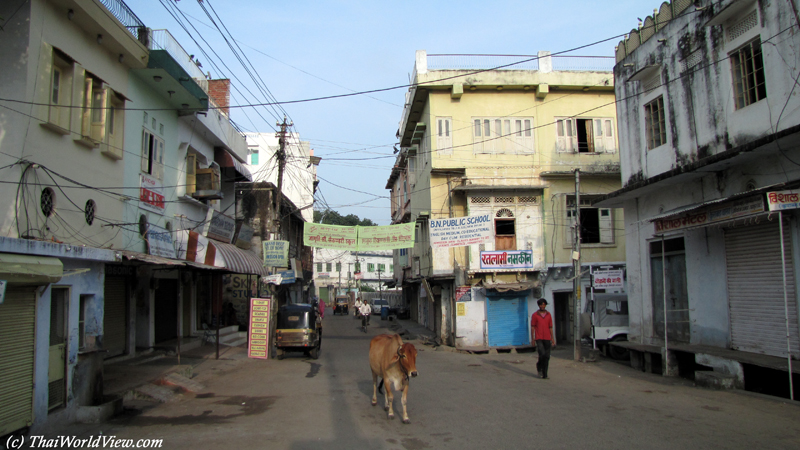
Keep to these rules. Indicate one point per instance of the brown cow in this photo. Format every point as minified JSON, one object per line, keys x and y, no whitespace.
{"x":394,"y":362}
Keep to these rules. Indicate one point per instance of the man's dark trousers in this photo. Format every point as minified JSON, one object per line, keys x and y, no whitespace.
{"x":543,"y":347}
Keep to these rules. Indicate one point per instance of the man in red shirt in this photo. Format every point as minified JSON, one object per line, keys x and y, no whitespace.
{"x":542,"y":335}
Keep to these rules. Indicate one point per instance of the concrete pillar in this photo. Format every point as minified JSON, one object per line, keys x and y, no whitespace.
{"x":545,"y":61}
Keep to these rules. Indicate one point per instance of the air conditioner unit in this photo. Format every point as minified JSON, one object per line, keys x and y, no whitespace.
{"x":208,"y":183}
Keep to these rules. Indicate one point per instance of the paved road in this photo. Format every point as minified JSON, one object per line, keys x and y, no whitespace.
{"x":458,"y":401}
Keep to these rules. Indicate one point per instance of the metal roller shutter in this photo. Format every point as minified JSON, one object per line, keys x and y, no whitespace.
{"x":17,"y":338}
{"x":755,"y":289}
{"x":115,"y":316}
{"x":507,"y":321}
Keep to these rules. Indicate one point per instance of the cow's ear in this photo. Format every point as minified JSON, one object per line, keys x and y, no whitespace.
{"x":395,"y":358}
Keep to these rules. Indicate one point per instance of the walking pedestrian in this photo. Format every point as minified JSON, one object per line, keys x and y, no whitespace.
{"x":542,"y":335}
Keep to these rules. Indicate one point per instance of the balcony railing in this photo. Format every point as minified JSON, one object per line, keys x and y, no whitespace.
{"x":124,"y":14}
{"x":517,"y":62}
{"x":163,"y":40}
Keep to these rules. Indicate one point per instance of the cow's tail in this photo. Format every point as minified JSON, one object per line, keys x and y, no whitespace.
{"x":380,"y":386}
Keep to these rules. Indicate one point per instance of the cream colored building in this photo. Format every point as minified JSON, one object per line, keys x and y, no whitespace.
{"x":504,"y":142}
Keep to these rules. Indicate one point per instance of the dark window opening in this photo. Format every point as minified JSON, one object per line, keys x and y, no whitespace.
{"x":585,"y":135}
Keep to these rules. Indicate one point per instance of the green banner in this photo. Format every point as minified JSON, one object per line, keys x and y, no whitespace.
{"x":388,"y":237}
{"x":330,"y":236}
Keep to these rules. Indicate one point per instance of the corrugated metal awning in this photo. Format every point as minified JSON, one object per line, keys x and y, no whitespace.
{"x":240,"y":261}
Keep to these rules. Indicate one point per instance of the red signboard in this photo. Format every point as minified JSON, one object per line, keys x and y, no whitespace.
{"x":151,"y":197}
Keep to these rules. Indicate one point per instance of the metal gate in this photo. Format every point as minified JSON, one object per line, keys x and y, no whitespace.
{"x":755,"y":289}
{"x":17,"y":335}
{"x":115,"y":316}
{"x":507,"y":317}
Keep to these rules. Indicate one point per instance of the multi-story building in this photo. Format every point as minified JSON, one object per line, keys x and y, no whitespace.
{"x":341,"y":271}
{"x":504,"y":142}
{"x":97,"y":109}
{"x":708,"y":128}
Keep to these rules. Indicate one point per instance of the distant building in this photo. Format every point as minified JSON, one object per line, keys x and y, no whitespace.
{"x":504,"y":142}
{"x":341,"y":271}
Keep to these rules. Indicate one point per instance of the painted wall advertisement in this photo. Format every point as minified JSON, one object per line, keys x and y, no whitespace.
{"x":258,"y":339}
{"x":607,"y":279}
{"x":151,"y":194}
{"x":507,"y":259}
{"x":461,"y":231}
{"x":387,"y":237}
{"x":276,"y":253}
{"x":783,"y":200}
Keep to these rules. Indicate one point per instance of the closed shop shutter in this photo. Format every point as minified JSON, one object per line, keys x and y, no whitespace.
{"x":17,"y":337}
{"x":323,"y":294}
{"x":755,"y":289}
{"x":507,"y":321}
{"x":115,"y":316}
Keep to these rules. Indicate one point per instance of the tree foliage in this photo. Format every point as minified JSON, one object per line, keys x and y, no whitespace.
{"x":331,"y":217}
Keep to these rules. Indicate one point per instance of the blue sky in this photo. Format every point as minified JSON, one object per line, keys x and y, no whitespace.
{"x":308,"y":49}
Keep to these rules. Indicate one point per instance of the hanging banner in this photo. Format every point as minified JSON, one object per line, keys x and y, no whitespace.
{"x":330,"y":236}
{"x":461,"y":231}
{"x":258,"y":340}
{"x":783,"y":200}
{"x":276,"y":253}
{"x":388,"y":237}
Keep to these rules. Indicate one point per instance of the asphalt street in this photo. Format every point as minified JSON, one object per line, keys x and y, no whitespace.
{"x":458,"y":401}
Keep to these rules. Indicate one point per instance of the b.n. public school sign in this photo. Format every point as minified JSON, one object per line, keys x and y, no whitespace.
{"x":461,"y":231}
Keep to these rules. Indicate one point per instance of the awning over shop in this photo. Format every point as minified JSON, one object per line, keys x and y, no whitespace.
{"x":232,"y":169}
{"x":199,"y":250}
{"x":159,"y":260}
{"x":240,"y":261}
{"x":27,"y":269}
{"x":511,"y":287}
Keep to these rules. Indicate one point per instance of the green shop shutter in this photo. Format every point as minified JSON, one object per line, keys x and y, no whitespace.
{"x":17,"y":339}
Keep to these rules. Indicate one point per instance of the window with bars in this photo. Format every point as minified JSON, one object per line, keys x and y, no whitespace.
{"x":328,"y":267}
{"x":747,"y":64}
{"x":655,"y":123}
{"x":319,"y":267}
{"x":509,"y":135}
{"x":338,"y":267}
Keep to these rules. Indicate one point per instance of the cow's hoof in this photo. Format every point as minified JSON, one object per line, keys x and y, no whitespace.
{"x":391,"y":416}
{"x":374,"y":402}
{"x":406,"y":421}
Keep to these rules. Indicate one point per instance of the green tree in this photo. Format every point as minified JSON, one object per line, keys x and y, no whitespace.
{"x":331,"y":217}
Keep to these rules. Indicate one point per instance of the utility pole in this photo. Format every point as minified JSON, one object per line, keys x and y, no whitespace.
{"x":280,"y":157}
{"x":576,"y":257}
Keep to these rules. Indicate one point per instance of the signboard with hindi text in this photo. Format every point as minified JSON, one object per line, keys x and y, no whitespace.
{"x":507,"y":259}
{"x":388,"y":237}
{"x":330,"y":236}
{"x":607,"y":279}
{"x":159,"y":242}
{"x":221,"y":227}
{"x":258,"y":336}
{"x":461,"y":231}
{"x":783,"y":200}
{"x":716,"y":214}
{"x":276,"y":253}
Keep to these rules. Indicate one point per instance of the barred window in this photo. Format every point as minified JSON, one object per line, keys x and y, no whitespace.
{"x":655,"y":124}
{"x":747,"y":64}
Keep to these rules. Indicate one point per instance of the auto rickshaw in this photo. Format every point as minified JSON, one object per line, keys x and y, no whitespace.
{"x":298,"y":329}
{"x":341,"y":305}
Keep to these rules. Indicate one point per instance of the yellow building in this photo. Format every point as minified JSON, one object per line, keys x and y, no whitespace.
{"x":504,"y":141}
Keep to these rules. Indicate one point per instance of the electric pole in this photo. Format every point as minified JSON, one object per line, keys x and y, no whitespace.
{"x":576,"y":257}
{"x":280,"y":157}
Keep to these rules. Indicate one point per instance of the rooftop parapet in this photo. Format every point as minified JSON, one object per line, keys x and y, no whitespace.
{"x":660,"y":18}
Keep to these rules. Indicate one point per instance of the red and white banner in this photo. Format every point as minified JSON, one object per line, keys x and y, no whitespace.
{"x":151,"y":194}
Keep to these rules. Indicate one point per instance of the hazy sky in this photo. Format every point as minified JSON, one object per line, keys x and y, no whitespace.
{"x":308,"y":49}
